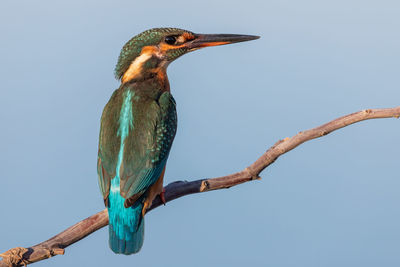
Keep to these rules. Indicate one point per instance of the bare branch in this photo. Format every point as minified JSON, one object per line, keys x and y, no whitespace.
{"x":55,"y":245}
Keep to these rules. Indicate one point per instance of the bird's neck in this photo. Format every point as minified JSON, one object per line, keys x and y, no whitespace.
{"x":149,"y":85}
{"x":148,"y":65}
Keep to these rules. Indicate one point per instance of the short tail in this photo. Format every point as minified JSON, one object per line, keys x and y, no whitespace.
{"x":125,"y":245}
{"x":126,"y":230}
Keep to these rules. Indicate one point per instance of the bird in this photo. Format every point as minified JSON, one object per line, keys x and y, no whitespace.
{"x":138,"y":126}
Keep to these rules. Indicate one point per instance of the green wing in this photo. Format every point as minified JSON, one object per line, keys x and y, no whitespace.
{"x":148,"y":146}
{"x":109,"y":143}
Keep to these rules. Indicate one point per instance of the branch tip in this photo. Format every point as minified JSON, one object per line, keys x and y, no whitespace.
{"x":15,"y":257}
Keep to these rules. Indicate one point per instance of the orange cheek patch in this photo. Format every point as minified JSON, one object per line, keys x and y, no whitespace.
{"x":149,"y":50}
{"x":164,"y":47}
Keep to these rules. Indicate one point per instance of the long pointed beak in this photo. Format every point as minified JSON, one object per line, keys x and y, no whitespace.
{"x":205,"y":40}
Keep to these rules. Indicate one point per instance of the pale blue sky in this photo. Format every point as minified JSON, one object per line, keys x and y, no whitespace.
{"x":330,"y":202}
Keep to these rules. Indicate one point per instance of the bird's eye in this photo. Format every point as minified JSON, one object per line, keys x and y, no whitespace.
{"x":170,"y":40}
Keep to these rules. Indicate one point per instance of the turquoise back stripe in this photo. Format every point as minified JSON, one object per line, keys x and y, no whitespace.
{"x":124,"y":221}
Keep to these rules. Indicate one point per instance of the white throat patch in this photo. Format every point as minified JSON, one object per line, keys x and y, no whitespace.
{"x":136,"y":67}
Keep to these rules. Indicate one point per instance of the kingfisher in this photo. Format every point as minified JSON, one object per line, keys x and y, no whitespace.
{"x":138,"y":126}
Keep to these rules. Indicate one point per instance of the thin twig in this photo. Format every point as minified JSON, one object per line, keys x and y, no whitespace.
{"x":55,"y":245}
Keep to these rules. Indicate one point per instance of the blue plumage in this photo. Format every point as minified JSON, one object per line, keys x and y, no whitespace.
{"x":126,"y":226}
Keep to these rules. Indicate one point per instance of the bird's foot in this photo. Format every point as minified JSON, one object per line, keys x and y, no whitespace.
{"x":162,"y":196}
{"x":144,"y":209}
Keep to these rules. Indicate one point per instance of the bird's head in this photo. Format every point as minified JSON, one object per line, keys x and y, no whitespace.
{"x":151,"y":51}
